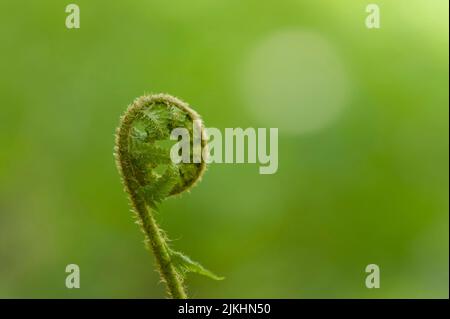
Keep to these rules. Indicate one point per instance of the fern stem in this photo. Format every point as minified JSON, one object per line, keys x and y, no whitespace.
{"x":157,"y":242}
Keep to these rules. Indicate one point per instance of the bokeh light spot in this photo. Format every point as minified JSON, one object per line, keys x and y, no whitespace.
{"x":294,"y":80}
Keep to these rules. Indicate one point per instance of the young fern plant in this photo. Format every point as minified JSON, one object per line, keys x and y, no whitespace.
{"x":142,"y":152}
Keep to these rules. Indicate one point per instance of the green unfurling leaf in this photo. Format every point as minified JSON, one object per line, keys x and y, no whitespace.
{"x":142,"y":151}
{"x":184,"y":264}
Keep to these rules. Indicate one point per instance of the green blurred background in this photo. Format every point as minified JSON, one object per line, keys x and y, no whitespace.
{"x":363,"y":146}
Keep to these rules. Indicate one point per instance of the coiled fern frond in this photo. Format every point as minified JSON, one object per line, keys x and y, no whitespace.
{"x":142,"y":152}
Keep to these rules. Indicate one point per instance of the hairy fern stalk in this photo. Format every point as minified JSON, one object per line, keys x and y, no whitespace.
{"x":142,"y":152}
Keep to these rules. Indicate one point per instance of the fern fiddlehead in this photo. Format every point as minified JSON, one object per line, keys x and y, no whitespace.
{"x":142,"y":152}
